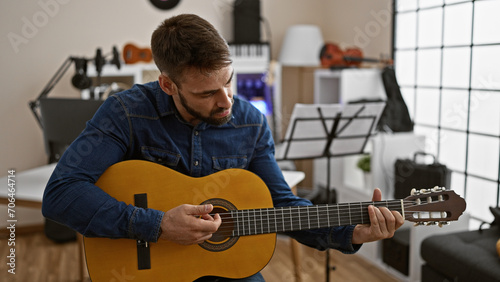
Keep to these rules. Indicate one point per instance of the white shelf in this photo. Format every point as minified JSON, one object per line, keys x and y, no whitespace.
{"x":343,"y":86}
{"x":136,"y":72}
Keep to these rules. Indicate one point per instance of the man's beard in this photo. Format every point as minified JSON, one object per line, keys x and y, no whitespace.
{"x":210,"y":119}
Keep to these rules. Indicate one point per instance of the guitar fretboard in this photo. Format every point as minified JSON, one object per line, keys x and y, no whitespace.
{"x":284,"y":219}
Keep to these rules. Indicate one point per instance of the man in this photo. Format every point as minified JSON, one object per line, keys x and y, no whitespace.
{"x":189,"y":121}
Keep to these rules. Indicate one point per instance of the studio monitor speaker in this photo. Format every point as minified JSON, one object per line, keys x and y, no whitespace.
{"x":246,"y":19}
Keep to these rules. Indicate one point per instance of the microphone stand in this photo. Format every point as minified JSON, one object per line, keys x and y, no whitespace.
{"x":50,"y":85}
{"x":99,"y":61}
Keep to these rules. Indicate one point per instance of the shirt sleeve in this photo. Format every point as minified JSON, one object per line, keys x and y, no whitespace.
{"x":265,"y":166}
{"x":71,"y":197}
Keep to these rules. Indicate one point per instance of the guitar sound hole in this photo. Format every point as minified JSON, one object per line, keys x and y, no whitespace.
{"x":222,"y":239}
{"x":226,"y":228}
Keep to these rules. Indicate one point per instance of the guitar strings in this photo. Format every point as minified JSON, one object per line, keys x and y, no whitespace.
{"x":254,"y":226}
{"x":348,"y":205}
{"x":304,"y":211}
{"x":339,"y":207}
{"x":251,"y":221}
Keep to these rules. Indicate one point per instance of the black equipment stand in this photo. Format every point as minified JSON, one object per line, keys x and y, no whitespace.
{"x":336,"y":132}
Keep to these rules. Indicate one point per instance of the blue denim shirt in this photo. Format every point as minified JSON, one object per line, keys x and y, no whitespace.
{"x":143,"y":123}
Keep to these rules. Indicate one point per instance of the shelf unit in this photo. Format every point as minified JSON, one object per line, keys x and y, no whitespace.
{"x":128,"y":73}
{"x":343,"y":86}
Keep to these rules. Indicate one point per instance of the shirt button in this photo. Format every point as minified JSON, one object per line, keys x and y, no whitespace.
{"x":196,"y":133}
{"x":196,"y":163}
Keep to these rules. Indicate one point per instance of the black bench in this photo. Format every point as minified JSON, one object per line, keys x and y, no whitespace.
{"x":463,"y":256}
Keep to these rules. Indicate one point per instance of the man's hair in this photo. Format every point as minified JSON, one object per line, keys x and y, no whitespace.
{"x":186,"y":41}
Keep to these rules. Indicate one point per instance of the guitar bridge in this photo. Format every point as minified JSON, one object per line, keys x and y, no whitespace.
{"x":143,"y":253}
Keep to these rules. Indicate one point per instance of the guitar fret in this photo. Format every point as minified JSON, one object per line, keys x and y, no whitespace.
{"x":268,"y":224}
{"x":261,"y":221}
{"x":242,"y":226}
{"x":236,"y":224}
{"x":275,"y":222}
{"x":243,"y":223}
{"x":255,"y":221}
{"x":328,"y":216}
{"x":317,"y":212}
{"x":338,"y":214}
{"x":283,"y":218}
{"x":361,"y":212}
{"x":300,"y":221}
{"x":248,"y":220}
{"x":349,"y":208}
{"x":308,"y":219}
{"x":254,"y":218}
{"x":325,"y":215}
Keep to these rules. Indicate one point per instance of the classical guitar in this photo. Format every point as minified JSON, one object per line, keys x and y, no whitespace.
{"x":246,"y":239}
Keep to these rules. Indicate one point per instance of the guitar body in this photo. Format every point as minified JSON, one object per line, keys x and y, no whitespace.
{"x":116,"y":259}
{"x":245,"y":241}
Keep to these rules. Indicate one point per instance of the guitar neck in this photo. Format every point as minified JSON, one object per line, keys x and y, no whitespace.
{"x":284,"y":219}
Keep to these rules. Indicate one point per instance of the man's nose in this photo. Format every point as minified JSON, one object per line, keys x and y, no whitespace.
{"x":224,"y":99}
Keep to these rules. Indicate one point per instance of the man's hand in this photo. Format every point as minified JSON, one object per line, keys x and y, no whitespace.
{"x":188,"y":224}
{"x":383,"y":223}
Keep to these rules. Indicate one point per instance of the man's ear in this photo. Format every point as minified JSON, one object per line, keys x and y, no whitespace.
{"x":167,"y":85}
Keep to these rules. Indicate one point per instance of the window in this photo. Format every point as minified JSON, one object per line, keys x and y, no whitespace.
{"x":447,"y":61}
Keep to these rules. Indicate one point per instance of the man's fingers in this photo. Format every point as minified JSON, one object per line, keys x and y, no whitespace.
{"x":199,"y":210}
{"x":373,"y":215}
{"x":377,"y":195}
{"x":399,"y":219}
{"x":390,"y":220}
{"x":382,"y":221}
{"x":211,"y":225}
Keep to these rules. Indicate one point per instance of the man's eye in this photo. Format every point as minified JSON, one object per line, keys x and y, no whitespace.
{"x":207,"y":95}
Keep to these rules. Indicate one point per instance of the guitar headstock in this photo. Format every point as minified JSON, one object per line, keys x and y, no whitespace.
{"x":436,"y":206}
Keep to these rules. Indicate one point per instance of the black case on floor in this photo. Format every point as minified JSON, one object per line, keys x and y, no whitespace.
{"x":396,"y":251}
{"x":409,"y":174}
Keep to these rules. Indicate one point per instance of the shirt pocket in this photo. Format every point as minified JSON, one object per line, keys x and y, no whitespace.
{"x":226,"y":162}
{"x":160,"y":156}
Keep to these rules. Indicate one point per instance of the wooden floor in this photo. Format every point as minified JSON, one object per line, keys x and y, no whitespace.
{"x":39,"y":259}
{"x":313,"y":264}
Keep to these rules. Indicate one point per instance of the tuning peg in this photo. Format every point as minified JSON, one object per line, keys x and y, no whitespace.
{"x":414,"y":192}
{"x":418,"y":224}
{"x":424,"y":191}
{"x":443,"y":223}
{"x":430,"y":223}
{"x":438,"y":189}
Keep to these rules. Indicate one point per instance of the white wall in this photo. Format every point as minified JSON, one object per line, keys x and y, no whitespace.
{"x":37,"y":36}
{"x":361,"y":23}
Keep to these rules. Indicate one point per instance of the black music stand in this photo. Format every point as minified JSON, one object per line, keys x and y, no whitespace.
{"x":328,"y":131}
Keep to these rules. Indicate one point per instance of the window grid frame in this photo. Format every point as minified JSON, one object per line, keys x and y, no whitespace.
{"x":466,"y":174}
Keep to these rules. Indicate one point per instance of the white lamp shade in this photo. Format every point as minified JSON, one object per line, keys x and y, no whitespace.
{"x":301,"y":46}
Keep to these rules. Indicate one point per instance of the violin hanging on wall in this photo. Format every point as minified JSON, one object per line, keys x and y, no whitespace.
{"x":332,"y":56}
